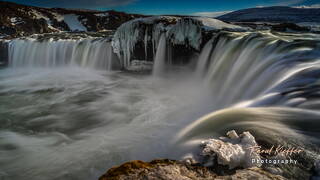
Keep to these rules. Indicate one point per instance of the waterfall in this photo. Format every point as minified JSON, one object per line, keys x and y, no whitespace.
{"x":160,"y":58}
{"x":258,"y":68}
{"x":88,"y":53}
{"x":262,"y":82}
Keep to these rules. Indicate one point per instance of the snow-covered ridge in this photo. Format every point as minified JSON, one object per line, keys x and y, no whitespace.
{"x":278,"y":14}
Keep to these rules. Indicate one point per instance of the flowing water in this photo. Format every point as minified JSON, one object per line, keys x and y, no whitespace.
{"x":63,"y":120}
{"x":160,"y":58}
{"x":93,"y":53}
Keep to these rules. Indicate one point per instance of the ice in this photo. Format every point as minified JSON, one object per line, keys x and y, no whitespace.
{"x":179,"y":31}
{"x":234,"y":151}
{"x":129,"y":33}
{"x":186,"y":30}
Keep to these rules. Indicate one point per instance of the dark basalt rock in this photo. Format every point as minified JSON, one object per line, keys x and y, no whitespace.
{"x":289,"y":27}
{"x":3,"y":53}
{"x":174,"y":170}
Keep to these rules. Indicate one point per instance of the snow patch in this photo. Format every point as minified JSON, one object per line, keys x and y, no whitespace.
{"x":16,"y":20}
{"x":73,"y":22}
{"x":215,"y":24}
{"x":102,"y":14}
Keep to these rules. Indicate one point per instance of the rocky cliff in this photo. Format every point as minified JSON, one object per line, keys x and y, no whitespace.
{"x":20,"y":20}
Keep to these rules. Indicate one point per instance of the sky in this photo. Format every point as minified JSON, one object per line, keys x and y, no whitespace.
{"x":169,"y":7}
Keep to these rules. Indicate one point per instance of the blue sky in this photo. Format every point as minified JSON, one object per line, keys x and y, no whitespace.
{"x":184,"y":7}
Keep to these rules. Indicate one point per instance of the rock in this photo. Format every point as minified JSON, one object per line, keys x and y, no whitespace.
{"x":316,"y":170}
{"x":287,"y":27}
{"x":3,"y":53}
{"x":174,"y":170}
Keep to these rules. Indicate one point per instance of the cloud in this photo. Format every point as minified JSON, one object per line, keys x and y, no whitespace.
{"x":310,"y":6}
{"x":87,"y":4}
{"x":211,"y":14}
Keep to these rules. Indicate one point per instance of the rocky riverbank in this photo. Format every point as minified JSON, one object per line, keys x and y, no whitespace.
{"x":229,"y":157}
{"x":173,"y":170}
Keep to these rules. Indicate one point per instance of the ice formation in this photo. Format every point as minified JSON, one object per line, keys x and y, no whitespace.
{"x":139,"y":66}
{"x":187,"y":31}
{"x":130,"y":33}
{"x":234,"y":150}
{"x":178,"y":31}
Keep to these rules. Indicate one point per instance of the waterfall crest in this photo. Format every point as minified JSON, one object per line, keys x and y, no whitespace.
{"x":88,"y":53}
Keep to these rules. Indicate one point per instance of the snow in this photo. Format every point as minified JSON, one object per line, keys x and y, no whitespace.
{"x":70,"y":19}
{"x":233,"y":151}
{"x":102,"y":14}
{"x":73,"y":22}
{"x":16,"y":20}
{"x":215,"y":24}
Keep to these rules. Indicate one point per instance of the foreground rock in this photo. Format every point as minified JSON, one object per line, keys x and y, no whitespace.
{"x":173,"y":170}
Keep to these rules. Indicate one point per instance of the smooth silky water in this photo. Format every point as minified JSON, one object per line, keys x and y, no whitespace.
{"x":64,"y":118}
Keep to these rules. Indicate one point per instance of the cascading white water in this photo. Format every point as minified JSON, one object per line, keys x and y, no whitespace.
{"x":262,"y":82}
{"x":245,"y":66}
{"x":160,"y":58}
{"x":89,"y":53}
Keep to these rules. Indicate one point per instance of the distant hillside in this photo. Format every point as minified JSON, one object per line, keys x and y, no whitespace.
{"x":19,"y":20}
{"x":274,"y":14}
